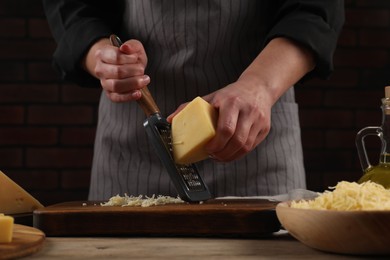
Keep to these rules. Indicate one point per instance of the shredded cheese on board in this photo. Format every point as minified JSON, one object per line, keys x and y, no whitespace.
{"x":133,"y":201}
{"x":349,"y":196}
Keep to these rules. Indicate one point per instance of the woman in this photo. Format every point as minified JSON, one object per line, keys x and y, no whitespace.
{"x":243,"y":57}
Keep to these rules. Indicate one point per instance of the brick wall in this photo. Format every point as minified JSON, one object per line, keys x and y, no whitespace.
{"x":333,"y":111}
{"x":47,"y":127}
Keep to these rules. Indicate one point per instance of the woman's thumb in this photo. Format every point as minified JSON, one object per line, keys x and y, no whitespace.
{"x":134,"y":47}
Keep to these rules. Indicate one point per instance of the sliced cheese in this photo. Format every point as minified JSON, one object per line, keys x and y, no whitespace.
{"x":192,"y":128}
{"x":14,"y":199}
{"x":6,"y":228}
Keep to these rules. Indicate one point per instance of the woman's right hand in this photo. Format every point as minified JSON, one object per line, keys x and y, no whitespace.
{"x":120,"y":70}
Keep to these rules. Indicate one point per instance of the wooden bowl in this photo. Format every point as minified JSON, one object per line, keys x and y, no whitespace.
{"x":346,"y":232}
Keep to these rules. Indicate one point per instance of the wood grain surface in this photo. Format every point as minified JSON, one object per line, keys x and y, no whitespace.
{"x":277,"y":246}
{"x":25,"y":241}
{"x":231,"y":217}
{"x":349,"y":232}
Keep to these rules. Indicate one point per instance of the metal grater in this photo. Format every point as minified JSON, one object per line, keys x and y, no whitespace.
{"x":186,"y":178}
{"x":190,"y":177}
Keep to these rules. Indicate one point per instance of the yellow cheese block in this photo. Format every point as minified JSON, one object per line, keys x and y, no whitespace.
{"x":6,"y":228}
{"x":192,"y":128}
{"x":14,"y":199}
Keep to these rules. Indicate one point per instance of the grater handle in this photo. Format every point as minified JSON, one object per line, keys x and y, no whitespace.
{"x":146,"y":102}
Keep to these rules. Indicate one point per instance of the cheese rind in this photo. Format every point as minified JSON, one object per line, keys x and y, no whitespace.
{"x":14,"y":199}
{"x":192,"y":128}
{"x":6,"y":228}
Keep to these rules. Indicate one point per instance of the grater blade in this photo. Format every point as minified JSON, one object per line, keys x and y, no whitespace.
{"x":186,"y":178}
{"x":190,"y":177}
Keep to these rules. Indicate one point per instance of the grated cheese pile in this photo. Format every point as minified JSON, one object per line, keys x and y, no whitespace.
{"x":349,"y":196}
{"x":133,"y":201}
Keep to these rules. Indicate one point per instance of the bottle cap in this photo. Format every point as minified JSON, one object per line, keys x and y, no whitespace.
{"x":387,"y":92}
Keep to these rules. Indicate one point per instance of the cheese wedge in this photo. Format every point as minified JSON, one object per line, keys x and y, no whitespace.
{"x":14,"y":199}
{"x":6,"y":228}
{"x":192,"y":128}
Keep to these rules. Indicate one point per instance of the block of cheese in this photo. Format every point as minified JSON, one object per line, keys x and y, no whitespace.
{"x":192,"y":128}
{"x":6,"y":228}
{"x":14,"y":199}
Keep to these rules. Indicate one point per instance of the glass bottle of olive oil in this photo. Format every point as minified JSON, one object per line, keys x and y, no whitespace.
{"x":379,"y":173}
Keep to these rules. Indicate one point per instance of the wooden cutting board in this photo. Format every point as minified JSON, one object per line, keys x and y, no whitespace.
{"x":230,"y":217}
{"x":25,"y":241}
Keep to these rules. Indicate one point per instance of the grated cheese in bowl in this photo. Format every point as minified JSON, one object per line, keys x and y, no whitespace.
{"x":133,"y":201}
{"x":349,"y":196}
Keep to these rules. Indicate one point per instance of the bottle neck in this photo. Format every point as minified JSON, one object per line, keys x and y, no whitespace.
{"x":384,"y":158}
{"x":385,"y":134}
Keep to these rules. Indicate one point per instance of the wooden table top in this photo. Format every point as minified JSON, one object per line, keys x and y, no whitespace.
{"x":278,"y":246}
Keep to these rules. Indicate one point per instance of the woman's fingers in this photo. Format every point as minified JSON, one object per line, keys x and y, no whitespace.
{"x":112,"y":55}
{"x":122,"y":70}
{"x":244,"y":121}
{"x":119,"y":90}
{"x":125,"y":97}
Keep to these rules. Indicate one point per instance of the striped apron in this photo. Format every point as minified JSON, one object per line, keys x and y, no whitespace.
{"x":194,"y":48}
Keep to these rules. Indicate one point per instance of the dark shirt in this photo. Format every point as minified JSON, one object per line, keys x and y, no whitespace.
{"x":77,"y":24}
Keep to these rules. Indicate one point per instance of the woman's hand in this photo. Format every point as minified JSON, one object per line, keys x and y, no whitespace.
{"x":120,"y":70}
{"x":244,"y":120}
{"x":245,"y":105}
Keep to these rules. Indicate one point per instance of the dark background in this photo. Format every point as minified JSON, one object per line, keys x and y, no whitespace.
{"x":47,"y":127}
